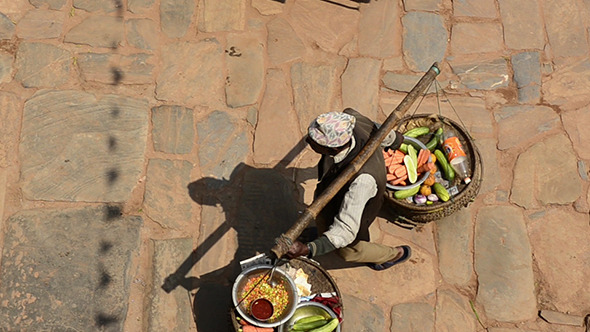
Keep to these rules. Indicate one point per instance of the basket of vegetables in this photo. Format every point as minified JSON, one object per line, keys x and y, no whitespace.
{"x":422,"y":185}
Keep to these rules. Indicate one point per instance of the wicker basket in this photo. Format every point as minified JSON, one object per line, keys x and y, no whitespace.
{"x":410,"y":214}
{"x":319,"y":278}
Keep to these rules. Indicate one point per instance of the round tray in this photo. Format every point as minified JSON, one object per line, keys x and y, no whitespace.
{"x":410,"y":214}
{"x":320,"y":280}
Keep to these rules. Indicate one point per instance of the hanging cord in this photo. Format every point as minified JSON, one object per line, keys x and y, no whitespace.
{"x":417,"y":106}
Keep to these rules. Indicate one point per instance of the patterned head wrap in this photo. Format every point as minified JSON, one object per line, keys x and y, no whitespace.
{"x":333,"y":129}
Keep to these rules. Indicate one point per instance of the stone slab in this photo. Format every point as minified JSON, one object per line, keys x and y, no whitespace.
{"x":360,"y":86}
{"x":503,"y":264}
{"x":511,"y":132}
{"x":276,"y":111}
{"x":116,"y":69}
{"x":412,"y":317}
{"x":169,"y":311}
{"x":576,"y":124}
{"x":475,"y":38}
{"x":67,"y":269}
{"x":482,"y":75}
{"x":165,"y":187}
{"x":173,"y":129}
{"x":454,"y":235}
{"x":492,"y":177}
{"x":223,"y":145}
{"x":139,"y":6}
{"x":523,"y":24}
{"x":191,"y":73}
{"x":222,"y":15}
{"x":453,"y":313}
{"x":561,"y":250}
{"x":107,"y":6}
{"x":539,"y":181}
{"x":268,"y":7}
{"x":568,"y":85}
{"x":527,"y":75}
{"x":380,"y":30}
{"x":245,"y":70}
{"x":561,"y":318}
{"x":42,"y":65}
{"x":78,"y":147}
{"x":218,"y":240}
{"x":423,"y":5}
{"x":142,"y":33}
{"x":53,"y":4}
{"x":283,"y":44}
{"x":7,"y":27}
{"x":40,"y":24}
{"x":424,"y":40}
{"x":10,"y":117}
{"x":475,"y":8}
{"x":6,"y":61}
{"x":176,"y":16}
{"x":365,"y":318}
{"x":97,"y":31}
{"x":566,"y":37}
{"x":322,"y":23}
{"x":314,"y":89}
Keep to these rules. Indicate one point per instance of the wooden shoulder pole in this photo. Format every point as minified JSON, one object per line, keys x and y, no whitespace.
{"x":285,"y":240}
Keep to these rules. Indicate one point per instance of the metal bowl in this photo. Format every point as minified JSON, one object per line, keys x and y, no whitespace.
{"x":419,"y":145}
{"x":279,"y":275}
{"x":307,"y":309}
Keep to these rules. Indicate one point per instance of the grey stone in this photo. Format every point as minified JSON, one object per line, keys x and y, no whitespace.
{"x":424,"y":5}
{"x":175,"y":16}
{"x":222,"y":15}
{"x":10,"y":117}
{"x":138,"y":6}
{"x":512,"y":132}
{"x":173,"y":129}
{"x":191,"y":73}
{"x":582,"y":170}
{"x":412,"y":317}
{"x":366,"y":317}
{"x":40,"y":24}
{"x":475,"y":38}
{"x":7,"y":27}
{"x":453,"y":313}
{"x":568,"y":85}
{"x":454,"y":236}
{"x":566,"y":37}
{"x":67,"y":269}
{"x":475,"y":8}
{"x":523,"y":24}
{"x":424,"y":40}
{"x":107,"y":6}
{"x":527,"y":75}
{"x":404,"y":82}
{"x":222,"y":145}
{"x":360,"y":86}
{"x":557,"y":317}
{"x":53,"y":4}
{"x":97,"y":31}
{"x":165,"y":187}
{"x":482,"y":75}
{"x":142,"y":33}
{"x":131,"y":69}
{"x":76,"y":147}
{"x":503,"y":265}
{"x":276,"y":111}
{"x":534,"y":182}
{"x":6,"y":61}
{"x":169,"y":311}
{"x":42,"y":65}
{"x":314,"y":87}
{"x":380,"y":30}
{"x":283,"y":44}
{"x":245,"y":70}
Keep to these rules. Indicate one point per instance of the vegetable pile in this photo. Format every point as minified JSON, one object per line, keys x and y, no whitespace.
{"x":316,"y":323}
{"x":261,"y":289}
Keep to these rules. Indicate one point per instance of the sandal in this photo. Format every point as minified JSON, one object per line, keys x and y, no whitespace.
{"x":384,"y":266}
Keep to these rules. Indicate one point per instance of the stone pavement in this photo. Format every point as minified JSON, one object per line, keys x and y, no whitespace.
{"x":147,"y":146}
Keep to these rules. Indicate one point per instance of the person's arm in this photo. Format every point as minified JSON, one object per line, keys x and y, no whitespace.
{"x":346,"y":223}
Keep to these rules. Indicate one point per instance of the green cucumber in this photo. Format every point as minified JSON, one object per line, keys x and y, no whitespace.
{"x":446,"y":168}
{"x":331,"y":326}
{"x":403,"y":194}
{"x":416,"y":132}
{"x":310,"y":319}
{"x":404,"y":148}
{"x":434,"y":141}
{"x":309,"y":325}
{"x":441,"y":192}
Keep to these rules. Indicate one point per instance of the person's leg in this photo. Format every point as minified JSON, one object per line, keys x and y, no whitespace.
{"x":368,"y":252}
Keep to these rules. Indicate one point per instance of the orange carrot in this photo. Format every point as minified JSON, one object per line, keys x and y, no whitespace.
{"x":394,"y":167}
{"x":400,"y":171}
{"x":399,"y":180}
{"x":425,"y":168}
{"x":391,"y":177}
{"x":388,"y":160}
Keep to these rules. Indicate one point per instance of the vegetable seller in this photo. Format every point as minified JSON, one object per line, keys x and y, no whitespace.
{"x":344,"y":222}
